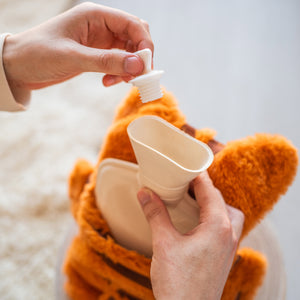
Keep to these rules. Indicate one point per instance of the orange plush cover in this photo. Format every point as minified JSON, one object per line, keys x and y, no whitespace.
{"x":251,"y":173}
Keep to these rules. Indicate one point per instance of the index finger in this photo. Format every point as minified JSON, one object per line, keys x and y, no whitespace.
{"x":129,"y":28}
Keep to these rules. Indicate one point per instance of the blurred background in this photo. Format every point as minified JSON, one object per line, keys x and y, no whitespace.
{"x":233,"y":66}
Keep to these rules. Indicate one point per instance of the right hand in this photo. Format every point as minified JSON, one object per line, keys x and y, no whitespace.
{"x":194,"y":265}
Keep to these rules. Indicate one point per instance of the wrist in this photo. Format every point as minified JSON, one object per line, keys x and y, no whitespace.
{"x":11,"y":63}
{"x":10,"y":59}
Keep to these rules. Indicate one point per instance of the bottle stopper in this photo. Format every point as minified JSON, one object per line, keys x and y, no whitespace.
{"x":148,"y":83}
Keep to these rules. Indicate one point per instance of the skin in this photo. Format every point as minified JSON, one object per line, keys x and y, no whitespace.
{"x":79,"y":40}
{"x":85,"y":39}
{"x":194,"y":265}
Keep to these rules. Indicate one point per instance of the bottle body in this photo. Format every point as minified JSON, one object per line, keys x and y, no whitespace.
{"x":116,"y":195}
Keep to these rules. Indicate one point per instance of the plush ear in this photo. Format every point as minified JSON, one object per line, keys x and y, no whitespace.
{"x":246,"y":275}
{"x":252,"y":173}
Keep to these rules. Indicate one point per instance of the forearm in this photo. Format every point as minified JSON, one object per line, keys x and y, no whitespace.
{"x":12,"y":97}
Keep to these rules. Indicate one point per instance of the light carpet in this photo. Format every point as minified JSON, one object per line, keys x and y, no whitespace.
{"x":38,"y":150}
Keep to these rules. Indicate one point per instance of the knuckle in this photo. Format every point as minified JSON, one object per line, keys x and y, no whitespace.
{"x":240,"y":215}
{"x":225,"y":229}
{"x":235,"y":242}
{"x":153,"y":213}
{"x":237,"y":215}
{"x":227,"y":236}
{"x":146,"y":24}
{"x":151,"y":45}
{"x":139,"y":23}
{"x":106,"y":61}
{"x":218,"y":193}
{"x":135,"y":21}
{"x":86,"y":5}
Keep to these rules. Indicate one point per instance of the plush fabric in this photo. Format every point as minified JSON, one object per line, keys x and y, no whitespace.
{"x":251,"y":173}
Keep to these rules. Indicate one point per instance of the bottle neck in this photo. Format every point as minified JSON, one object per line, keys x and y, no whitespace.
{"x":170,"y":196}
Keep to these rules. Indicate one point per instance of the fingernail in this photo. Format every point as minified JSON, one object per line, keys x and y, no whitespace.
{"x":133,"y":65}
{"x":128,"y":78}
{"x":144,"y":196}
{"x":110,"y":81}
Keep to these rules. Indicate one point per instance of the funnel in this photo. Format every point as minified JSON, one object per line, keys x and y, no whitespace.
{"x":168,"y":158}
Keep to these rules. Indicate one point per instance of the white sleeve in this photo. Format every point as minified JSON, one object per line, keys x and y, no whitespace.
{"x":7,"y":100}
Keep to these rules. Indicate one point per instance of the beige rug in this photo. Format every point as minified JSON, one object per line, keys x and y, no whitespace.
{"x":19,"y":15}
{"x":38,"y":150}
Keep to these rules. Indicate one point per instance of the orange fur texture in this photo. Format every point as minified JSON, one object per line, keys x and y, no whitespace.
{"x":251,"y":173}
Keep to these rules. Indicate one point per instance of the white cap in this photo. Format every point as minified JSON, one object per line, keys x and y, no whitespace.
{"x":149,"y":82}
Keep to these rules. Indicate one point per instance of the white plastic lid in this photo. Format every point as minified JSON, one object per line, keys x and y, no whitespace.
{"x":148,"y":83}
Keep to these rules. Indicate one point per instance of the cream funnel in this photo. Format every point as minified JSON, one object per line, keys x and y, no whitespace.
{"x":168,"y":158}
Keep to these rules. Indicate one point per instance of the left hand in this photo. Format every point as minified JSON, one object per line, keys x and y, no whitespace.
{"x":83,"y":39}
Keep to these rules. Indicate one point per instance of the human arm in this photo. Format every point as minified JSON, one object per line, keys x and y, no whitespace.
{"x":194,"y":265}
{"x":7,"y":99}
{"x":86,"y":38}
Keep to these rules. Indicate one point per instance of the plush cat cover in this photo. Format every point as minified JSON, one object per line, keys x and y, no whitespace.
{"x":251,"y":173}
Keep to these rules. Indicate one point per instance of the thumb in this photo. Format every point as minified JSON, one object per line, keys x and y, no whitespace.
{"x":156,"y":214}
{"x":112,"y":61}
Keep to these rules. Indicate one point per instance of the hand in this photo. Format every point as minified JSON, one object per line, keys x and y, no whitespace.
{"x":194,"y":265}
{"x":79,"y":40}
